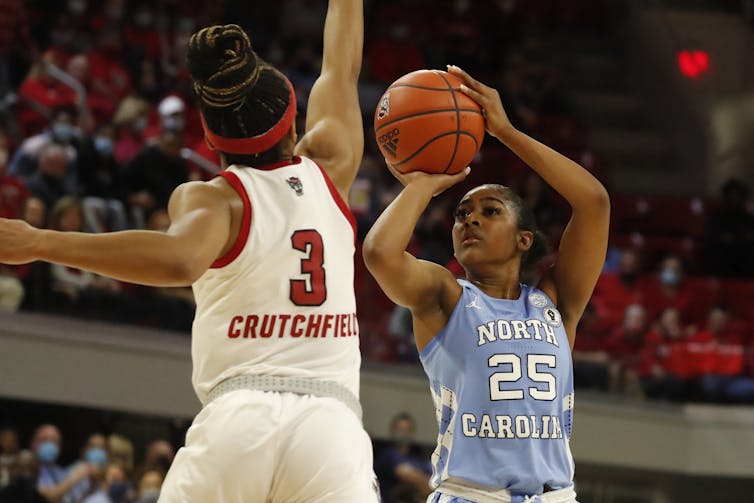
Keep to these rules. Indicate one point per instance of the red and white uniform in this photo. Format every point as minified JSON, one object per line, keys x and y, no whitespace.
{"x":280,"y":303}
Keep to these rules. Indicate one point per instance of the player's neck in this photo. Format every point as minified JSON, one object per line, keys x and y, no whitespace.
{"x":499,"y":288}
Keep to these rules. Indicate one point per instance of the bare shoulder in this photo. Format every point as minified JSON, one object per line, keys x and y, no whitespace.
{"x":192,"y":194}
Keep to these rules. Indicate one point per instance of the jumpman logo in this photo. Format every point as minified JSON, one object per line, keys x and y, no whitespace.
{"x":474,"y":304}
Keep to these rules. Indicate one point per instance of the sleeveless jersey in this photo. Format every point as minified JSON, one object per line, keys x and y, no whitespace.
{"x":281,"y":302}
{"x":501,"y":379}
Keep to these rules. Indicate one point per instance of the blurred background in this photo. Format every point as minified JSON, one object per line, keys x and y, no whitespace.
{"x":655,"y":97}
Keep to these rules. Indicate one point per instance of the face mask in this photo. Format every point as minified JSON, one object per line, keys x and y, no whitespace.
{"x":96,"y":456}
{"x":669,"y":277}
{"x":63,"y":132}
{"x":150,"y":496}
{"x":173,"y":124}
{"x":104,"y":146}
{"x":47,"y":452}
{"x":117,"y":491}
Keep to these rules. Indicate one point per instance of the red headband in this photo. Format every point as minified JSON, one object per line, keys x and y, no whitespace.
{"x":258,"y":143}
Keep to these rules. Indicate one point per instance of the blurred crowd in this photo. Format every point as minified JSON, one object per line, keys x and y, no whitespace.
{"x":98,"y":125}
{"x":106,"y":471}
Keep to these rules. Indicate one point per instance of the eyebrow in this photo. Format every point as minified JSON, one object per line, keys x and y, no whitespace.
{"x":491,"y":198}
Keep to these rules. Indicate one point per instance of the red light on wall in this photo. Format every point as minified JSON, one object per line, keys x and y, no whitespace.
{"x":693,"y":63}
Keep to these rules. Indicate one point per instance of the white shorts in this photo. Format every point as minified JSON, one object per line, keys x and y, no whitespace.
{"x":267,"y":447}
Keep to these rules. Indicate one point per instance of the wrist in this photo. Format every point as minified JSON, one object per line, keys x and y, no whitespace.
{"x":505,"y":133}
{"x":39,"y":244}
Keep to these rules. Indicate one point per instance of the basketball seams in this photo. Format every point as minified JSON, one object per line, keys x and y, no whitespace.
{"x":427,"y":112}
{"x":458,"y":121}
{"x":415,"y":86}
{"x":457,"y":133}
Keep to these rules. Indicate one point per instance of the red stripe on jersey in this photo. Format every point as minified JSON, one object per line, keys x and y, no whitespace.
{"x":339,"y":200}
{"x":243,"y":233}
{"x":281,"y":164}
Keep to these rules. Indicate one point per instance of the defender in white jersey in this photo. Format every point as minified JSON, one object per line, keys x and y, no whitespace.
{"x":494,"y":349}
{"x":268,"y":247}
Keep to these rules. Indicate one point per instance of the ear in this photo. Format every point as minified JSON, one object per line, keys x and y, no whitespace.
{"x":292,"y":132}
{"x":524,"y":240}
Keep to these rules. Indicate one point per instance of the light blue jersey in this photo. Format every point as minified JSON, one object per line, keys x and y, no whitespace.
{"x":501,"y":378}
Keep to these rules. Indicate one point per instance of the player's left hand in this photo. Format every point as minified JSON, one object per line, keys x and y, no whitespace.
{"x":436,"y":183}
{"x":496,"y":120}
{"x":16,"y":241}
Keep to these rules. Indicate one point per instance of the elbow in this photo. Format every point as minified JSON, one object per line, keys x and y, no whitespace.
{"x":372,"y":252}
{"x":597,"y":199}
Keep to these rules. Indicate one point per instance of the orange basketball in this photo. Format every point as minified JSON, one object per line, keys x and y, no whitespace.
{"x":424,"y":122}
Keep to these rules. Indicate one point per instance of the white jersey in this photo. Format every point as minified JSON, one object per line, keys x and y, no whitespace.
{"x":281,"y":302}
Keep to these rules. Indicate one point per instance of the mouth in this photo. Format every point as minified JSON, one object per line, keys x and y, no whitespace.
{"x":470,"y":239}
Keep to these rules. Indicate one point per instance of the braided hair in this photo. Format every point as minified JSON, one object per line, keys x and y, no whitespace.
{"x":240,"y":94}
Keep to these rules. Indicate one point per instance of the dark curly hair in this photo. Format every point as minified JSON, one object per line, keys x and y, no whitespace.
{"x":240,"y":94}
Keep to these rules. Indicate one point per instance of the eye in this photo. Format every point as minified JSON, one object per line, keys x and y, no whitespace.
{"x":460,"y":213}
{"x":489,"y":211}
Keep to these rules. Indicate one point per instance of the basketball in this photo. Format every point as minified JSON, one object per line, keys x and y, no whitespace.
{"x":424,"y":122}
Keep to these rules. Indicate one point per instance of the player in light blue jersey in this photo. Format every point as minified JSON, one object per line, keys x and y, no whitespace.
{"x":497,"y":352}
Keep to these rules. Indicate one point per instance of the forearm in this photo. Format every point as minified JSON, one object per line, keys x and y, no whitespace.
{"x":343,"y":37}
{"x":391,"y":233}
{"x":144,"y":257}
{"x":569,"y":179}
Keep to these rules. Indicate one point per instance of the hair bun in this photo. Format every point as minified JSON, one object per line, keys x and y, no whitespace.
{"x":222,"y":64}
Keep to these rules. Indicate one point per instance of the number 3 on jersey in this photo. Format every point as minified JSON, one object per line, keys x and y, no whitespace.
{"x":311,"y":291}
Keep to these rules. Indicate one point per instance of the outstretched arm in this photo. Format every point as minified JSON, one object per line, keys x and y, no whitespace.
{"x":199,"y":230}
{"x":584,"y":243}
{"x":427,"y":289}
{"x":334,"y":129}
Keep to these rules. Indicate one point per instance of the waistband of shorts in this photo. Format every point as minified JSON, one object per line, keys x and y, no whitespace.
{"x":298,"y":385}
{"x":481,"y":494}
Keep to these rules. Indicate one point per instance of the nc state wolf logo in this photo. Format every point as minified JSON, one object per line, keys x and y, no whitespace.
{"x":295,"y":183}
{"x":389,"y":141}
{"x":384,"y":107}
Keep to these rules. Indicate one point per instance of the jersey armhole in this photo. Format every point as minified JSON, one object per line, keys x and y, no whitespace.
{"x":342,"y":205}
{"x":243,"y":233}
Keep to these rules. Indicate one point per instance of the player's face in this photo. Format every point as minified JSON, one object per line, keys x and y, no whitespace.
{"x":485,"y":228}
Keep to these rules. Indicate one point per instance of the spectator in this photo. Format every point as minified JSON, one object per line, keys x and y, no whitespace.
{"x":22,"y":487}
{"x":63,"y":131}
{"x":114,"y":488}
{"x":159,"y":454}
{"x":99,"y":175}
{"x":121,"y":451}
{"x":51,"y":182}
{"x":669,"y":288}
{"x":616,"y":291}
{"x":131,"y":119}
{"x":591,"y":363}
{"x":629,"y":349}
{"x":35,"y":277}
{"x":401,"y":469}
{"x":149,"y":486}
{"x":730,"y":233}
{"x":669,"y":367}
{"x":94,"y":453}
{"x":153,"y":174}
{"x":400,"y":327}
{"x":55,"y":482}
{"x":9,"y":448}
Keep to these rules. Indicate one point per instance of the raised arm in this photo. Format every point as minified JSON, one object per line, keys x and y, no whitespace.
{"x":334,"y":129}
{"x":584,"y":243}
{"x":200,"y":217}
{"x":427,"y":289}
